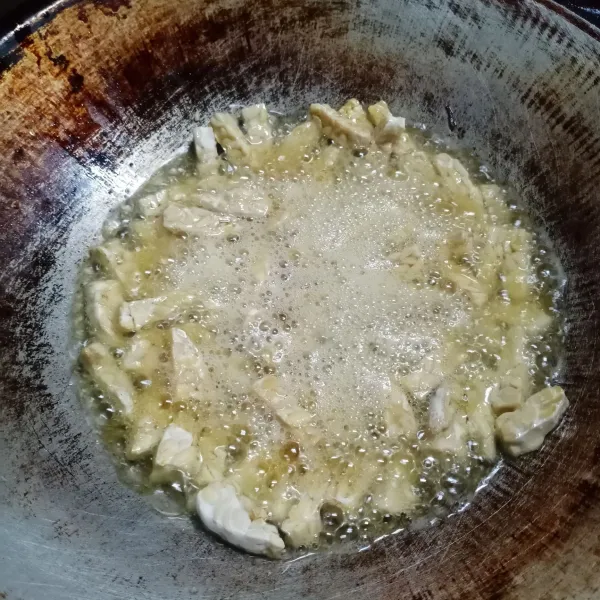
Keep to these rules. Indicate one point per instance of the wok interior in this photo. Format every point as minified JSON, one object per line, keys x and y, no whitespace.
{"x":104,"y":93}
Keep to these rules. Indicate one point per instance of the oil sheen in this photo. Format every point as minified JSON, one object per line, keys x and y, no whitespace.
{"x":332,"y":321}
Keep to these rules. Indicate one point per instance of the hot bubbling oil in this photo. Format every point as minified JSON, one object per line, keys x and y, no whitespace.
{"x":318,"y":297}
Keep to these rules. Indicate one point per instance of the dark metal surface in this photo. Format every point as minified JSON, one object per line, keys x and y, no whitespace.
{"x":588,"y":9}
{"x":15,"y":12}
{"x":104,"y":92}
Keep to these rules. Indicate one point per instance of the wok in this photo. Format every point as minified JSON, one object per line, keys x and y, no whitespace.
{"x":95,"y":95}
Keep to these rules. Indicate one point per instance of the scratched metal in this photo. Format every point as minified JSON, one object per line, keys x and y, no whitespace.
{"x":95,"y":95}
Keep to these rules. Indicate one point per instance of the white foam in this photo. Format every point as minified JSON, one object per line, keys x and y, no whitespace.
{"x":353,"y":322}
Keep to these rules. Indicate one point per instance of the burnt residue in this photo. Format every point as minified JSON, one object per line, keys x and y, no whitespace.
{"x":82,"y":14}
{"x":94,"y":84}
{"x":75,"y":81}
{"x":450,"y":116}
{"x":111,"y":6}
{"x":60,"y":61}
{"x":447,"y":46}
